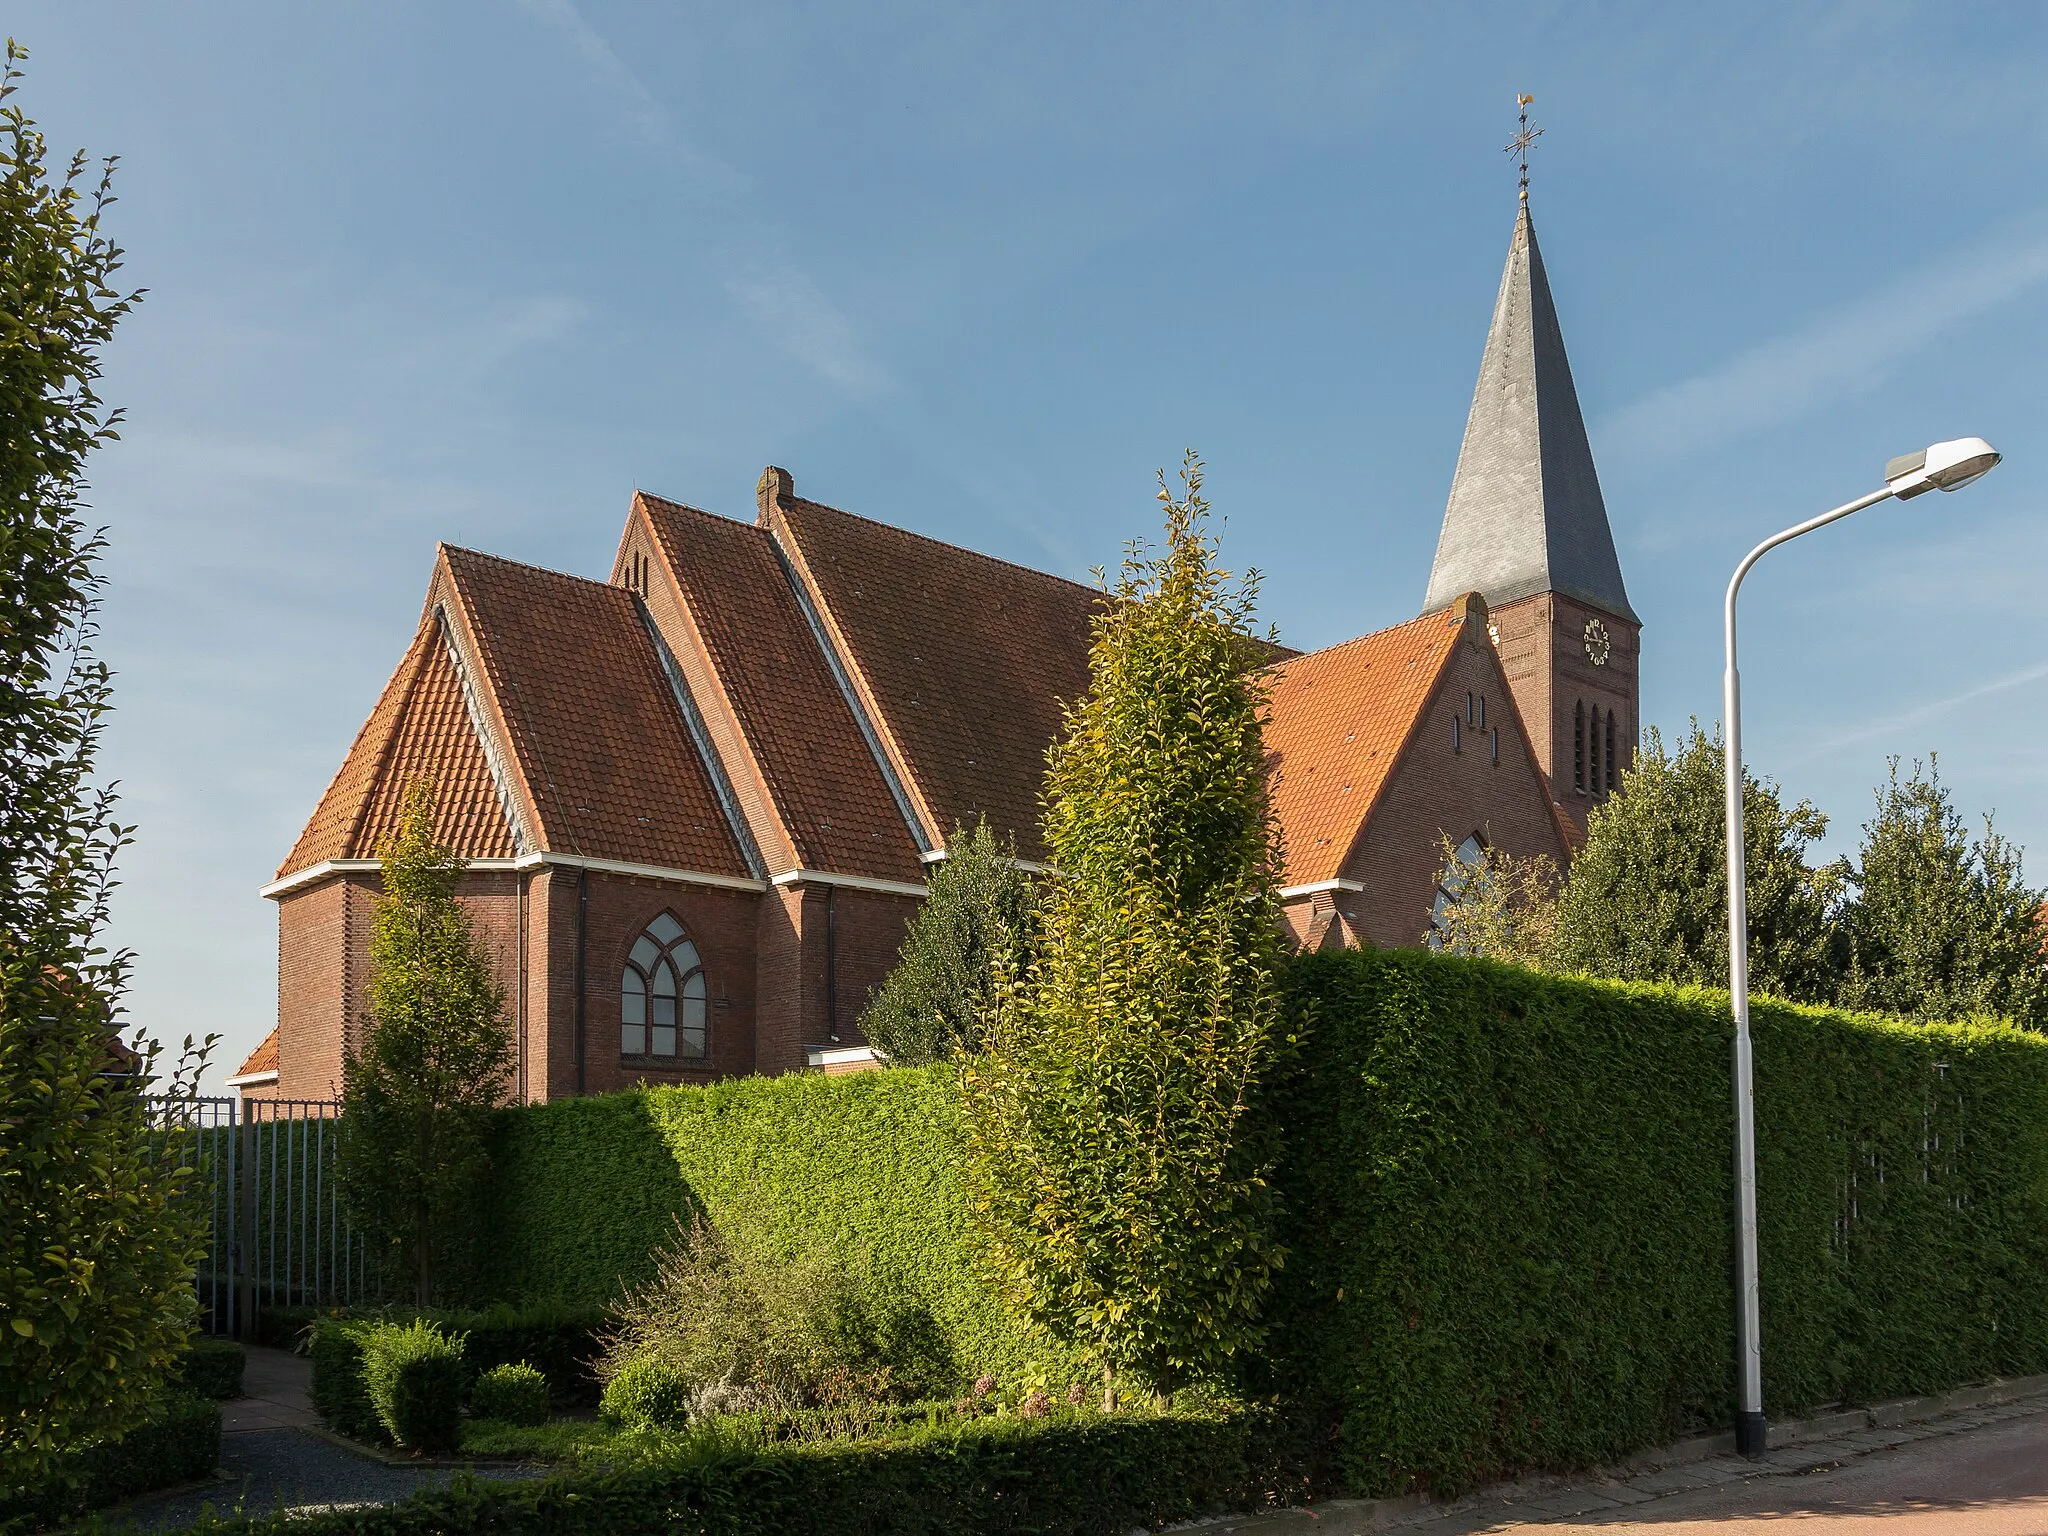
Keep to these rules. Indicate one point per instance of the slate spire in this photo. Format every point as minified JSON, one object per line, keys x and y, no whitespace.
{"x":1525,"y":513}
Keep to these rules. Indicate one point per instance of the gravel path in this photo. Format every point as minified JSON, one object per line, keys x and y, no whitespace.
{"x":291,"y":1469}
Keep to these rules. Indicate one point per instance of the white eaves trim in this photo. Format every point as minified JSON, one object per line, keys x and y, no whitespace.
{"x":851,"y":882}
{"x":1295,"y":892}
{"x":839,"y":1055}
{"x":253,"y":1079}
{"x":1029,"y":866}
{"x":315,"y":873}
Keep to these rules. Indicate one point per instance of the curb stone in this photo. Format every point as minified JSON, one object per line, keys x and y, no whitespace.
{"x":1646,"y":1475}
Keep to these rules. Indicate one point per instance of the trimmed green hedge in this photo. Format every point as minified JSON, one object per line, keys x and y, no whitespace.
{"x":1082,"y":1474}
{"x":1509,"y":1199}
{"x":178,"y":1443}
{"x":1510,"y":1196}
{"x":212,"y":1368}
{"x":866,"y":1166}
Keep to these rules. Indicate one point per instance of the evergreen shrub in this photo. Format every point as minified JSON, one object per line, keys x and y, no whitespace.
{"x":1070,"y":1474}
{"x":516,"y":1394}
{"x":646,"y":1394}
{"x":1508,"y":1200}
{"x":339,"y":1394}
{"x":212,"y":1367}
{"x":414,"y":1379}
{"x":177,"y":1441}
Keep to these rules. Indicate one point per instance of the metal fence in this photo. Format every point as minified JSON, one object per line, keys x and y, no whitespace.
{"x":276,"y":1231}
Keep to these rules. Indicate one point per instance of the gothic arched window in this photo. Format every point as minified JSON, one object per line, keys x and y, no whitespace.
{"x":661,"y":994}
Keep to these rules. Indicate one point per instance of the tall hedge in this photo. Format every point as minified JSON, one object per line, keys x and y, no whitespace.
{"x":864,"y":1167}
{"x":1509,"y":1201}
{"x":1506,"y":1204}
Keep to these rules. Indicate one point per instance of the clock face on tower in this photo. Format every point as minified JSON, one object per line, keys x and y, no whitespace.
{"x":1597,"y":643}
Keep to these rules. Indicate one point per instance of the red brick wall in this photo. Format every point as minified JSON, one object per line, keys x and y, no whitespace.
{"x":312,"y":989}
{"x":720,"y":923}
{"x":765,"y":960}
{"x":1542,"y":641}
{"x":868,"y":927}
{"x":1435,"y":791}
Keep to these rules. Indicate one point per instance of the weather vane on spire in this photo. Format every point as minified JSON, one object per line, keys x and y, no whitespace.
{"x":1519,"y":146}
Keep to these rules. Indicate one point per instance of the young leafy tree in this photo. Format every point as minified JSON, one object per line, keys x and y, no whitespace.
{"x":975,"y":923}
{"x":1500,"y":905}
{"x":97,"y":1242}
{"x":432,"y":1064}
{"x":1112,"y":1158}
{"x":1942,"y":927}
{"x":1648,"y":895}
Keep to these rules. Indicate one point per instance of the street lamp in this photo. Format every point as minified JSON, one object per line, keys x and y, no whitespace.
{"x":1944,"y":467}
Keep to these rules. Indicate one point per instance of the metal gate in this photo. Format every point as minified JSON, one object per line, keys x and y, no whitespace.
{"x":276,"y":1232}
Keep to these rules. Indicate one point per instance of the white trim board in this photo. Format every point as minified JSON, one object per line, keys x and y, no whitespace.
{"x":1316,"y":888}
{"x":850,"y":882}
{"x":314,"y":873}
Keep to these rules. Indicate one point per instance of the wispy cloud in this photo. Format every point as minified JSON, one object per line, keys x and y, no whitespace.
{"x":797,"y":316}
{"x":1846,"y":353}
{"x":634,"y":102}
{"x":1934,"y":708}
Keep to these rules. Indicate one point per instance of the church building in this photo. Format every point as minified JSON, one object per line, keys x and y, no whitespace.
{"x":698,"y":799}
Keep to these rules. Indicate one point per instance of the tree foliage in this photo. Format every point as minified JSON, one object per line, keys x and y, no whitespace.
{"x":1112,"y":1160}
{"x":432,"y":1063}
{"x":97,"y":1241}
{"x":1648,"y":895}
{"x":1941,"y":927}
{"x":974,"y":925}
{"x":1496,"y":905}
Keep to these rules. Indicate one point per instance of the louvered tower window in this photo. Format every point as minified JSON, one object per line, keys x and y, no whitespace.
{"x":662,"y":994}
{"x":1610,"y":751}
{"x":1579,"y":745}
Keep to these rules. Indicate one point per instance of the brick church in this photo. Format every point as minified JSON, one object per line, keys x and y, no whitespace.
{"x":699,"y":798}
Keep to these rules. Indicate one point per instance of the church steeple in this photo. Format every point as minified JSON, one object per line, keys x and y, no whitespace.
{"x":1527,"y":528}
{"x":1525,"y":512}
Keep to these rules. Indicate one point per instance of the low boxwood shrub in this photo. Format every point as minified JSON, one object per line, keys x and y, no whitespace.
{"x":178,"y":1443}
{"x":646,"y":1394}
{"x":285,"y":1327}
{"x":1069,"y":1474}
{"x":213,"y":1368}
{"x":339,"y":1395}
{"x":517,"y":1394}
{"x":560,"y":1340}
{"x":414,"y":1378}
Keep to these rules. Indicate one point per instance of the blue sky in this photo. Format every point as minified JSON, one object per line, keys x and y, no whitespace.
{"x":473,"y":271}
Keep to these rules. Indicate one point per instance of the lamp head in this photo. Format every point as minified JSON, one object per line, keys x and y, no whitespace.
{"x":1943,"y":467}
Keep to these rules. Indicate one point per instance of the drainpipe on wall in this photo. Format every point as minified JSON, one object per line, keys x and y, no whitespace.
{"x":831,"y":964}
{"x":582,"y":947}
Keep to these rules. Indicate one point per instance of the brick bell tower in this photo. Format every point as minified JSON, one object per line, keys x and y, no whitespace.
{"x":1526,"y":526}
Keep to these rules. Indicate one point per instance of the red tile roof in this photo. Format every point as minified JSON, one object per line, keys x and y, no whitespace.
{"x":600,"y":746}
{"x":262,"y":1059}
{"x":827,"y":792}
{"x":1340,"y":719}
{"x":602,"y":760}
{"x":965,"y":658}
{"x":420,"y":726}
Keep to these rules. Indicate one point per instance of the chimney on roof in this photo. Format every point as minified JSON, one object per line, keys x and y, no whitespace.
{"x":775,"y":488}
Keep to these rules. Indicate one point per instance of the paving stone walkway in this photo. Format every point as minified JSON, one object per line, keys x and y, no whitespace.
{"x":272,"y":1458}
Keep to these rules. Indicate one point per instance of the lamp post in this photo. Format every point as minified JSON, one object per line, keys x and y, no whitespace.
{"x":1944,"y":467}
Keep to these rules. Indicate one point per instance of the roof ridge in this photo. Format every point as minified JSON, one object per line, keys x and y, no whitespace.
{"x":1342,"y":645}
{"x":925,"y":538}
{"x":527,"y":565}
